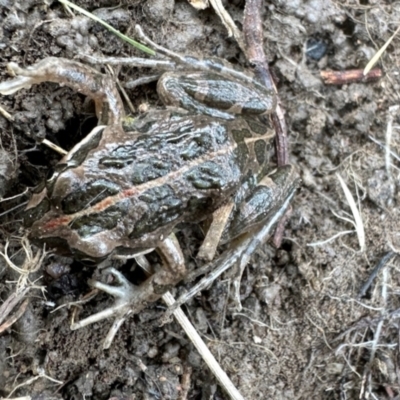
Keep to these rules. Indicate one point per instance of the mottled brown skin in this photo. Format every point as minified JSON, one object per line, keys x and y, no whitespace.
{"x":122,"y":190}
{"x":131,"y":189}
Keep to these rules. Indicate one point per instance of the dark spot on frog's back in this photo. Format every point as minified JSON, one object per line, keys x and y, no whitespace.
{"x":257,"y":127}
{"x":240,"y":134}
{"x":118,"y":158}
{"x":209,"y":175}
{"x":154,"y":195}
{"x":150,"y":169}
{"x":221,"y":94}
{"x":260,"y":150}
{"x":107,"y":219}
{"x":88,"y":195}
{"x":204,"y":141}
{"x":161,"y":207}
{"x":241,"y":155}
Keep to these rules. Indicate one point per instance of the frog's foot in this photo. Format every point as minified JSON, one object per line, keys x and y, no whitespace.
{"x":130,"y":299}
{"x":77,"y":76}
{"x":125,"y":296}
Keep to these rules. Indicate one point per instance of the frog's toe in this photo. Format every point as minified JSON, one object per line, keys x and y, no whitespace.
{"x":123,"y":293}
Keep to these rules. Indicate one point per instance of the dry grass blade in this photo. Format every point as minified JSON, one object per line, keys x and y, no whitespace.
{"x":18,"y":398}
{"x":356,"y":213}
{"x":393,"y":111}
{"x":8,"y":306}
{"x":54,"y":147}
{"x":331,"y":239}
{"x":127,"y":39}
{"x":195,"y":338}
{"x":379,"y":53}
{"x":228,"y":22}
{"x":224,"y":16}
{"x":199,"y":4}
{"x":17,"y":315}
{"x":6,"y":114}
{"x":201,"y":347}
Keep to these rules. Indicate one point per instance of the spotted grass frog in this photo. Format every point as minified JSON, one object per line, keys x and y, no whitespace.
{"x":125,"y":187}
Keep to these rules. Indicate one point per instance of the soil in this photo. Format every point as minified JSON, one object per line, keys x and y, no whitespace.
{"x":307,"y":330}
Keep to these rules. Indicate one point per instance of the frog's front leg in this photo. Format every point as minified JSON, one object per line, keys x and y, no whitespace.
{"x":80,"y":77}
{"x":132,"y":299}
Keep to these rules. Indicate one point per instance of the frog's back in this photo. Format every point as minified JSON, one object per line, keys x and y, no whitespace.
{"x":129,"y":190}
{"x":181,"y":169}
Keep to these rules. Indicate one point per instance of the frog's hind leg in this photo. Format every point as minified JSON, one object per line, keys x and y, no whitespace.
{"x":238,"y":253}
{"x":132,"y":299}
{"x":253,"y":221}
{"x":261,"y":203}
{"x":80,"y":77}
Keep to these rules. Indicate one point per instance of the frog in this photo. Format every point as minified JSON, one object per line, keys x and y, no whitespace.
{"x":123,"y":190}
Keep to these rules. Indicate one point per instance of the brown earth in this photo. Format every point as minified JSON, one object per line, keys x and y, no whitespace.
{"x":304,"y":331}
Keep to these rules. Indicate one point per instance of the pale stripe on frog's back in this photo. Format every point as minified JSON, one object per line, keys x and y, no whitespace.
{"x":186,"y":164}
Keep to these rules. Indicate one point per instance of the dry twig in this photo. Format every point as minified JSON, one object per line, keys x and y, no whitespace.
{"x":350,"y":76}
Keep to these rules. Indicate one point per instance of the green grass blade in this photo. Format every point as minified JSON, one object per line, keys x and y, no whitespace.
{"x":132,"y":42}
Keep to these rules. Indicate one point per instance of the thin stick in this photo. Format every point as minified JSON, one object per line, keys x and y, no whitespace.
{"x":16,"y":316}
{"x":54,"y":147}
{"x":228,"y":22}
{"x":130,"y":61}
{"x":384,"y":260}
{"x":377,"y":334}
{"x":6,"y":114}
{"x":350,"y":76}
{"x":254,"y":50}
{"x":220,"y":217}
{"x":201,"y":347}
{"x":11,"y":302}
{"x":195,"y":338}
{"x":388,"y":137}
